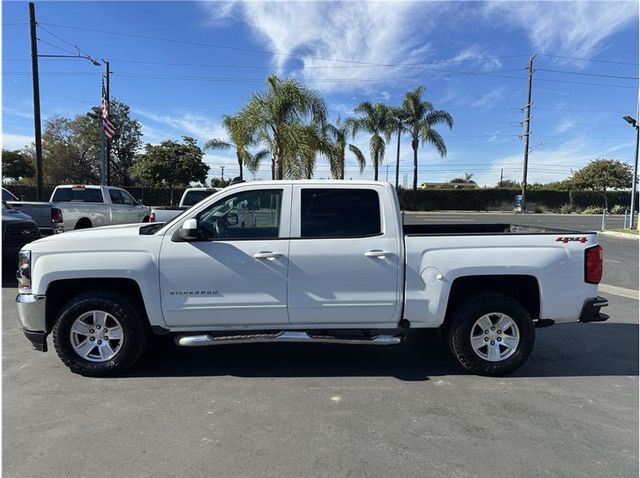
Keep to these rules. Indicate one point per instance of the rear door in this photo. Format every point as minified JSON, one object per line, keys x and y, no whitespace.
{"x":344,"y":257}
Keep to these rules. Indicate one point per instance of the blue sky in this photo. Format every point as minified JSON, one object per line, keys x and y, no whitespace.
{"x":182,"y":65}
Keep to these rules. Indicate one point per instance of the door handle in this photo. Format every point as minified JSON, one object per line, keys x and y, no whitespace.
{"x":270,"y":255}
{"x":377,"y":253}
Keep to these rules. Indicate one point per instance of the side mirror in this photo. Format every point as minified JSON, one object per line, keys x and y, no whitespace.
{"x":231,"y":219}
{"x":140,"y":201}
{"x":189,"y":230}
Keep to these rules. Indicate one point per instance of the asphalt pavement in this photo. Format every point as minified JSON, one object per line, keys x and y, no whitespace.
{"x":334,"y":410}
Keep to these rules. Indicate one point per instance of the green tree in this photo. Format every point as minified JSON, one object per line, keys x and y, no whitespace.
{"x":69,"y":153}
{"x":288,"y":118}
{"x":219,"y":182}
{"x":602,"y":175}
{"x":338,"y":134}
{"x":420,"y":118}
{"x":125,"y":144}
{"x":374,"y":119}
{"x":170,"y":164}
{"x":508,"y":184}
{"x":464,"y":180}
{"x":397,"y":124}
{"x":240,"y":139}
{"x":16,"y":165}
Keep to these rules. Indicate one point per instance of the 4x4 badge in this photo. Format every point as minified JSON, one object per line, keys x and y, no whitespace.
{"x":565,"y":239}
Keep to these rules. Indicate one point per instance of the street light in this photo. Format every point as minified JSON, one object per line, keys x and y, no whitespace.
{"x":633,"y":122}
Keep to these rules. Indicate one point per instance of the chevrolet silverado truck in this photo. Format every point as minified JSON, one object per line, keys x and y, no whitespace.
{"x":325,"y":261}
{"x":190,"y":198}
{"x":80,"y":207}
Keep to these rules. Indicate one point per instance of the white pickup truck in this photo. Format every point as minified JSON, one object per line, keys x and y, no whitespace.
{"x":325,"y":261}
{"x":190,"y":197}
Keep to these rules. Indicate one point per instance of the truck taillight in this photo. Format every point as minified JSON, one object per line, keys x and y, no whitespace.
{"x":56,"y":215}
{"x":593,"y":258}
{"x":152,"y":217}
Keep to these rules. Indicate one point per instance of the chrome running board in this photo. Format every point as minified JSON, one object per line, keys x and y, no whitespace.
{"x":286,"y":336}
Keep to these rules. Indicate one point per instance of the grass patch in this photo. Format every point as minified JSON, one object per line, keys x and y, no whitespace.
{"x":626,"y":231}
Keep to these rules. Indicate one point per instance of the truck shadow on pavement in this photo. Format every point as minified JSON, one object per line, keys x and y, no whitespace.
{"x":569,"y":350}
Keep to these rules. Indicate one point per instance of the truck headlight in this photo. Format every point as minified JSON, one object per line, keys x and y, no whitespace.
{"x":24,"y":271}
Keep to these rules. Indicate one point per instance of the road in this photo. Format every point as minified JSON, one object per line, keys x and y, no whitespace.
{"x":330,"y":410}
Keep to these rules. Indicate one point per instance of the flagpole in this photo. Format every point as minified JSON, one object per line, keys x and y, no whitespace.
{"x":103,"y":159}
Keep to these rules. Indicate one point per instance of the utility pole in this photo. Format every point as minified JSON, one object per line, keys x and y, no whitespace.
{"x":36,"y":100}
{"x":222,"y":172}
{"x":107,"y":77}
{"x":527,"y":125}
{"x":501,"y":172}
{"x":387,"y":174}
{"x":398,"y":159}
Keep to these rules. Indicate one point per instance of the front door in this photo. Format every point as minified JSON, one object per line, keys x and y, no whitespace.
{"x":236,"y":273}
{"x":344,"y":258}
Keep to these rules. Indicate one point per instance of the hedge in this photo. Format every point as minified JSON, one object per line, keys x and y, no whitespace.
{"x":502,"y":199}
{"x":421,"y":200}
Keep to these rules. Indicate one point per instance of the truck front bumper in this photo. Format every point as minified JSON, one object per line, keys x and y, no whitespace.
{"x":591,"y":310}
{"x":32,"y":314}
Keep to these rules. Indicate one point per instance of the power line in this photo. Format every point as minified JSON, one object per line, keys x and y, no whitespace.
{"x":62,"y":39}
{"x":55,"y":46}
{"x":588,"y":59}
{"x":567,"y":72}
{"x":255,"y":50}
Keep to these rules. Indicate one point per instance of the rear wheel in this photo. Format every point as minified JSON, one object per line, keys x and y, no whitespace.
{"x":99,"y":333}
{"x":491,"y":334}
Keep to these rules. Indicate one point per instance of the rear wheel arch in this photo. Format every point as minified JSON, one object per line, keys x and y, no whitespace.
{"x":523,"y":288}
{"x":83,"y":223}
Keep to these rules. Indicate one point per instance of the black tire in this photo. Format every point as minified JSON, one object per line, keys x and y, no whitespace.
{"x":84,"y":223}
{"x":134,"y":329}
{"x":464,"y":317}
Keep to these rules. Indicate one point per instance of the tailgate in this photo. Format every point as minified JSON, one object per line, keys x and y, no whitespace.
{"x":39,"y":212}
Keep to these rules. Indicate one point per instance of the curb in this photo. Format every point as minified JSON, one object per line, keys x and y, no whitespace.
{"x":620,"y":235}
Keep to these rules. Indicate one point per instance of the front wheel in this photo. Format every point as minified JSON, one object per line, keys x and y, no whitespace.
{"x":99,"y":333}
{"x":491,"y":334}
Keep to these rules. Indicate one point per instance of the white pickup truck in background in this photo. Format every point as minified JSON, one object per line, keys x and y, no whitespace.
{"x":324,"y":261}
{"x":190,"y":198}
{"x":80,"y":207}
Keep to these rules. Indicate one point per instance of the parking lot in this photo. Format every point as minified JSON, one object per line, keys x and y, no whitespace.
{"x":335,"y":410}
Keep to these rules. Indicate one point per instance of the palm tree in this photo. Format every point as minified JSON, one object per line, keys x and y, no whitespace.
{"x":374,"y":119}
{"x":419,"y":122}
{"x":338,"y":135}
{"x":288,"y":117}
{"x":240,"y":139}
{"x":397,"y":118}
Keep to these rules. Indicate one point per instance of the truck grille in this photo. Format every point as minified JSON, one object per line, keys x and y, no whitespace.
{"x":21,"y":234}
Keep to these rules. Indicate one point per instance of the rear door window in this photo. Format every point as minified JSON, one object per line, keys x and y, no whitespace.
{"x":340,"y":213}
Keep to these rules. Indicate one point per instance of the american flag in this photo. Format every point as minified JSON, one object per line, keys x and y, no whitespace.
{"x":109,"y":129}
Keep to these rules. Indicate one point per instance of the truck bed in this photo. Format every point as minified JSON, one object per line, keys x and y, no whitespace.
{"x":479,"y":229}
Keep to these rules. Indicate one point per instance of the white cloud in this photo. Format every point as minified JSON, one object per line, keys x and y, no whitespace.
{"x":476,"y":56}
{"x":186,"y":124}
{"x":576,"y":28}
{"x":16,"y":141}
{"x":309,"y":35}
{"x":489,"y":99}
